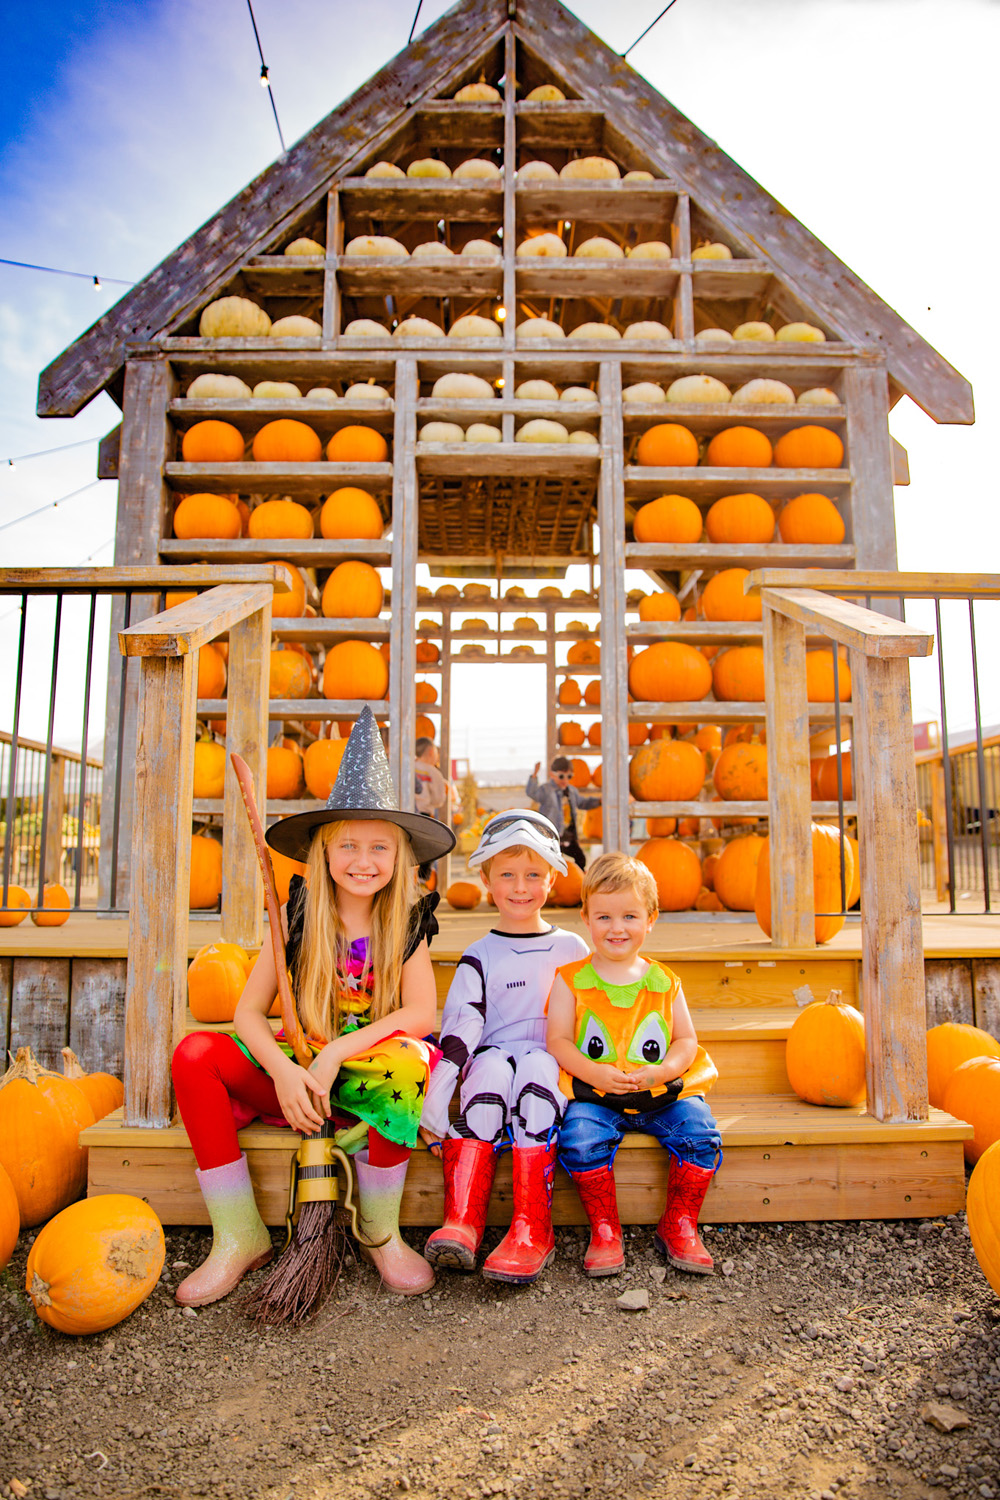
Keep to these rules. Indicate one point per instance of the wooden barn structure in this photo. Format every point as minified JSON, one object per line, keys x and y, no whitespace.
{"x":501,"y":510}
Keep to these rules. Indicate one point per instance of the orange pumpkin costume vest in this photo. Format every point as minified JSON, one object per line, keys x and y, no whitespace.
{"x":630,"y":1026}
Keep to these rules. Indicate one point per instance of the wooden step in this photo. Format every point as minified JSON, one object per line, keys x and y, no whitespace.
{"x":783,"y":1160}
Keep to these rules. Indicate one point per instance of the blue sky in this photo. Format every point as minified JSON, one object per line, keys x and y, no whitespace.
{"x":125,"y":125}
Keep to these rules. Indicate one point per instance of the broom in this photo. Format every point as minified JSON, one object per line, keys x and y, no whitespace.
{"x":302,"y":1278}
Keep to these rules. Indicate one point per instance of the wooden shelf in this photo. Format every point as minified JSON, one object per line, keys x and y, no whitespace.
{"x":564,"y":122}
{"x":456,"y":276}
{"x":729,"y":280}
{"x":303,"y":708}
{"x":538,"y":202}
{"x":393,"y":199}
{"x":728,"y":809}
{"x":711,"y":711}
{"x":705,"y":632}
{"x":316,"y":553}
{"x":283,"y":479}
{"x":574,"y":415}
{"x":323,"y":417}
{"x":472,"y":125}
{"x":556,"y":460}
{"x":713,"y":416}
{"x":285,"y":275}
{"x":712,"y":557}
{"x":323,"y":632}
{"x":571,"y":277}
{"x":706,"y":484}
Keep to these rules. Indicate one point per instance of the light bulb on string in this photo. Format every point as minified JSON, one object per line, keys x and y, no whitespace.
{"x":97,"y":283}
{"x":265,"y":82}
{"x":499,"y":382}
{"x":500,"y":314}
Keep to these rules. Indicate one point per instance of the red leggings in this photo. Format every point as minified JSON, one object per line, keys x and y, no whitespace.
{"x":219,"y":1091}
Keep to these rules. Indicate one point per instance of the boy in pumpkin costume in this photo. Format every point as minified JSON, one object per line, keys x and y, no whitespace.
{"x":629,"y":1059}
{"x":493,"y":1040}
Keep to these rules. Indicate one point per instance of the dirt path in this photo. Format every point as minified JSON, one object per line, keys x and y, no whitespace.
{"x":799,"y":1370}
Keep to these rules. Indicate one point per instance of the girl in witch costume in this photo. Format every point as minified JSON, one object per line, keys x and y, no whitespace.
{"x":356,"y":949}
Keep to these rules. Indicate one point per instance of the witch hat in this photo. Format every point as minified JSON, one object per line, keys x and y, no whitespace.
{"x":363,"y":790}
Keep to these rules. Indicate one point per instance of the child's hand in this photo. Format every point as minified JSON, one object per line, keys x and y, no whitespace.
{"x":431,"y":1141}
{"x":303,"y":1098}
{"x":649,"y":1076}
{"x":612,"y":1080}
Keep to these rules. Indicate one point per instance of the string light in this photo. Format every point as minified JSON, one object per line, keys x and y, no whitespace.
{"x":22,"y":458}
{"x":648,"y":28}
{"x":416,"y":18}
{"x":500,"y":314}
{"x":24,"y":265}
{"x":52,"y":505}
{"x":265,"y":81}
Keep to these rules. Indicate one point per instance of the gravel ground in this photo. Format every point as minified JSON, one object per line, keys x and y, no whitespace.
{"x":807,"y":1367}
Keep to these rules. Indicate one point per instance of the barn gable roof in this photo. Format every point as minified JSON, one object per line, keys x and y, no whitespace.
{"x":445,"y":55}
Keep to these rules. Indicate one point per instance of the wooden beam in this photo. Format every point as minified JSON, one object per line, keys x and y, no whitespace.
{"x":109,"y":453}
{"x":116,"y":579}
{"x":793,"y":923}
{"x":403,"y":627}
{"x":246,"y":735}
{"x":869,"y":447}
{"x":614,"y":654}
{"x":189,"y":626}
{"x":849,"y":624}
{"x":866,"y":581}
{"x":900,"y":464}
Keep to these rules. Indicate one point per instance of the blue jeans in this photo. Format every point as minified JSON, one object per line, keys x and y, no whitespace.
{"x":590,"y":1134}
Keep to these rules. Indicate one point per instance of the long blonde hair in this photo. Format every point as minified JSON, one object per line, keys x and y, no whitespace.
{"x":318,"y":980}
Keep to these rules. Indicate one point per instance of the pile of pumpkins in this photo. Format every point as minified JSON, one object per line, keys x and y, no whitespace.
{"x":53,"y":912}
{"x":96,"y":1260}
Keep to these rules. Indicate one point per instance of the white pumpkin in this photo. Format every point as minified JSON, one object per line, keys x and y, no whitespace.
{"x":599,"y":248}
{"x":544,"y":245}
{"x":383,"y":246}
{"x":638,"y":174}
{"x":590,"y":169}
{"x":713,"y":251}
{"x":595,"y":331}
{"x":516,"y":592}
{"x":442,"y":432}
{"x":428,"y":166}
{"x":545,"y":93}
{"x":583,"y":437}
{"x":432,"y":250}
{"x":477,"y":169}
{"x":458,"y":387}
{"x":644,"y":391}
{"x":365,"y":328}
{"x":525,"y":622}
{"x":537,"y":171}
{"x":306,"y":248}
{"x":536,"y":390}
{"x":818,"y":396}
{"x":276,"y":390}
{"x":212,"y":387}
{"x":698,"y":388}
{"x":577,"y":626}
{"x":760,"y":333}
{"x":471,"y":326}
{"x":765,"y":393}
{"x":650,"y":250}
{"x":296,"y":327}
{"x":483,"y":432}
{"x":800,"y":333}
{"x":713,"y":336}
{"x":417,"y":328}
{"x":482,"y":250}
{"x":538,"y":328}
{"x":475,"y":622}
{"x":478,"y":93}
{"x":649,"y":329}
{"x":475,"y":591}
{"x":542,"y":430}
{"x":366,"y":391}
{"x":581,"y":393}
{"x":470,"y":650}
{"x":385,"y":169}
{"x":233,"y":318}
{"x":322,"y":393}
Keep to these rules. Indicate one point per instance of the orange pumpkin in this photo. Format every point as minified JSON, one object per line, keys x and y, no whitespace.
{"x":981,"y":1212}
{"x":812,"y":520}
{"x":819,"y":677}
{"x":426,"y":693}
{"x":669,"y":672}
{"x":283,"y":869}
{"x":290,"y":605}
{"x":463,"y":895}
{"x":661,"y":606}
{"x":570,"y":733}
{"x":688,"y":828}
{"x":677,"y":871}
{"x":206,"y":872}
{"x":424,"y":728}
{"x":55,"y":907}
{"x":661,"y":828}
{"x":739,"y":519}
{"x":95,"y":1262}
{"x":592,"y":697}
{"x":10,"y":1219}
{"x":355,"y":669}
{"x":320,"y":764}
{"x":285,"y":777}
{"x":708,"y":737}
{"x":667,"y":445}
{"x":211,"y":673}
{"x":351,"y":513}
{"x":569,"y":694}
{"x":854,"y":889}
{"x":825,"y":1053}
{"x":212,"y":442}
{"x":738,"y":674}
{"x":287,"y":441}
{"x":357,"y":445}
{"x":597,"y":774}
{"x":723,"y":597}
{"x":948,"y":1046}
{"x":281,"y":518}
{"x":18,"y":902}
{"x":809,"y":448}
{"x":739,"y":448}
{"x":667,"y":771}
{"x":103,"y":1091}
{"x":592,"y":824}
{"x":670,"y":518}
{"x":826,"y":850}
{"x":584,"y":654}
{"x":708,"y":901}
{"x":594,"y":734}
{"x":638,"y":733}
{"x":734,"y":874}
{"x":353,"y":591}
{"x":708,"y":868}
{"x":581,"y":776}
{"x":826,"y":778}
{"x":741,"y":776}
{"x":213,"y":516}
{"x":216,"y":979}
{"x":41,"y":1116}
{"x":288,"y":675}
{"x":209,"y":767}
{"x":566,"y":888}
{"x":427,"y":653}
{"x":973,"y":1095}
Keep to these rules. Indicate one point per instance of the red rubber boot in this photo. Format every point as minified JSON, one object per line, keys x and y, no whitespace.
{"x":468,"y":1181}
{"x":529,"y":1243}
{"x":677,"y":1234}
{"x":605,"y":1253}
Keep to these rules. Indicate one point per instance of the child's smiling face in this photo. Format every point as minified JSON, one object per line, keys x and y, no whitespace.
{"x":519,"y":884}
{"x":362,"y":856}
{"x":618,"y":923}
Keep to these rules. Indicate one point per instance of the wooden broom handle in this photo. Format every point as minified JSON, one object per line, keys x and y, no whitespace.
{"x":289,"y":1015}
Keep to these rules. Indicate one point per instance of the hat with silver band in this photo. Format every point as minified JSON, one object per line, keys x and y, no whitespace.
{"x":363,"y":790}
{"x":519,"y":826}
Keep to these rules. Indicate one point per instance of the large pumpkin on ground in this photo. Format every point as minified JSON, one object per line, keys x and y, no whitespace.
{"x":216,"y":978}
{"x":353,"y":591}
{"x":320,"y":764}
{"x":826,"y":848}
{"x":206,"y":872}
{"x":41,"y":1116}
{"x":94,"y":1263}
{"x":825,"y":1053}
{"x":669,"y":672}
{"x":10,"y":1218}
{"x":677,"y":871}
{"x":667,"y":771}
{"x":355,"y":669}
{"x":973,"y":1094}
{"x":102,"y":1091}
{"x":948,"y":1046}
{"x":982,"y":1208}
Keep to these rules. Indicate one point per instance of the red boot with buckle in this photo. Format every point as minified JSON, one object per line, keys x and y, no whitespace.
{"x":529,"y":1243}
{"x":468,"y":1181}
{"x":677,"y":1234}
{"x":605,"y":1253}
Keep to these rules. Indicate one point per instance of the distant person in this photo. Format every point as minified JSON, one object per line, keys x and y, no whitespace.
{"x":559,"y":801}
{"x":433,"y":793}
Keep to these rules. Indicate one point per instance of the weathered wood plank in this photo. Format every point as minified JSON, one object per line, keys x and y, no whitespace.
{"x":869,"y":446}
{"x":402,"y":638}
{"x":6,"y":986}
{"x":879,"y":582}
{"x":113,"y":580}
{"x":900,"y":464}
{"x":40,"y":1008}
{"x":787,"y":717}
{"x":317,"y":553}
{"x":285,"y":479}
{"x":713,"y":712}
{"x":849,"y":624}
{"x":246,"y":735}
{"x":187,"y":627}
{"x":109,"y":453}
{"x":948,"y":991}
{"x":986,"y":990}
{"x":97,"y":1014}
{"x":614,"y":661}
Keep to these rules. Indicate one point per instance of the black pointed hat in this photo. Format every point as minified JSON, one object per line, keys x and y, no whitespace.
{"x":363,"y":789}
